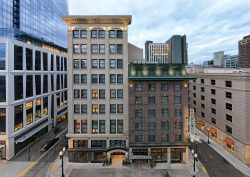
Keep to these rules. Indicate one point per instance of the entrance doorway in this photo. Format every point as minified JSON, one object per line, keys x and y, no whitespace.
{"x":117,"y":158}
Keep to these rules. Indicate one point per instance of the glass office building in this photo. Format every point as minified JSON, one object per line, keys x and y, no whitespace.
{"x":39,"y":18}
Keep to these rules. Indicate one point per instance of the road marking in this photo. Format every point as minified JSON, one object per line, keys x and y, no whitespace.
{"x":204,"y":169}
{"x":26,"y":169}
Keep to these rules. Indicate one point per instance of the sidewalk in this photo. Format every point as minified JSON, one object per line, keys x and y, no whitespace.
{"x":226,"y":155}
{"x":175,"y":170}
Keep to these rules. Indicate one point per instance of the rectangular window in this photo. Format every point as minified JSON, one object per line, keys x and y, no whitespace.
{"x":102,"y":109}
{"x":94,"y":78}
{"x":138,"y":100}
{"x":213,"y":110}
{"x":119,"y":93}
{"x":120,"y":78}
{"x":95,"y":109}
{"x":212,"y":82}
{"x":194,"y":102}
{"x":112,"y":63}
{"x":213,"y":120}
{"x":83,"y":33}
{"x":194,"y":87}
{"x":202,"y":81}
{"x":94,"y":63}
{"x":2,"y":89}
{"x":151,"y":138}
{"x":229,"y":129}
{"x":101,"y":48}
{"x":202,"y":89}
{"x":83,"y":93}
{"x":101,"y":34}
{"x":101,"y":94}
{"x":76,"y":64}
{"x":84,"y":126}
{"x":151,"y":100}
{"x":76,"y":93}
{"x":102,"y":78}
{"x":94,"y":126}
{"x":119,"y":48}
{"x":38,"y":84}
{"x":112,"y":126}
{"x":112,"y":34}
{"x":177,"y":87}
{"x":112,"y":78}
{"x":76,"y":34}
{"x":76,"y":48}
{"x":112,"y":93}
{"x":228,"y":83}
{"x":213,"y":91}
{"x":84,"y":78}
{"x":138,"y":87}
{"x":38,"y":109}
{"x":151,"y":113}
{"x":138,"y":126}
{"x":52,"y":62}
{"x":37,"y":60}
{"x":3,"y":56}
{"x":84,"y":48}
{"x":29,"y":86}
{"x":94,"y":94}
{"x":151,"y":87}
{"x":18,"y":57}
{"x":164,"y":126}
{"x":151,"y":126}
{"x":29,"y":59}
{"x":83,"y":63}
{"x":112,"y":108}
{"x":228,"y":94}
{"x":164,"y":99}
{"x":119,"y":108}
{"x":76,"y":78}
{"x":45,"y":83}
{"x":120,"y":63}
{"x":177,"y":100}
{"x":213,"y":101}
{"x":45,"y":61}
{"x":164,"y":87}
{"x":138,"y":113}
{"x":76,"y":108}
{"x":18,"y":119}
{"x":202,"y":106}
{"x":138,"y":138}
{"x":203,"y":114}
{"x":229,"y":106}
{"x":120,"y":126}
{"x":93,"y":33}
{"x":229,"y":118}
{"x":18,"y":85}
{"x":119,"y":33}
{"x":112,"y":48}
{"x":2,"y":120}
{"x":202,"y":97}
{"x":84,"y":108}
{"x":164,"y":112}
{"x":94,"y":48}
{"x":178,"y":112}
{"x":102,"y":63}
{"x":101,"y":126}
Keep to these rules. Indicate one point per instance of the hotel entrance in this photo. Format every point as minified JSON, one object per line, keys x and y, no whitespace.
{"x":117,"y":158}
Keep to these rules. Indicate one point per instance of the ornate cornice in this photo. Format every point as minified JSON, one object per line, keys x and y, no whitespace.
{"x":112,"y":19}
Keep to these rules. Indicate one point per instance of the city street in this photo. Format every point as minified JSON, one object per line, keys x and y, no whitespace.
{"x":215,"y":164}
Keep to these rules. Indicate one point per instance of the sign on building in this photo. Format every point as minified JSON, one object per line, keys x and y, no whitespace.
{"x":191,"y":123}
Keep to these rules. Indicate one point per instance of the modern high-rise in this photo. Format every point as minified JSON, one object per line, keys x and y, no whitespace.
{"x":244,"y":52}
{"x":97,"y":87}
{"x":221,"y":99}
{"x":178,"y":48}
{"x":33,"y":71}
{"x":158,"y":112}
{"x":174,"y":50}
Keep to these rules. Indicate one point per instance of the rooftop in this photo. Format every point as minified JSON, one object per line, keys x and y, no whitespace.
{"x":98,"y":19}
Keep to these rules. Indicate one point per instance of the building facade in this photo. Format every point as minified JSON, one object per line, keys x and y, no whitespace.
{"x":41,"y":19}
{"x":98,"y":94}
{"x":244,"y":52}
{"x":220,"y":101}
{"x":33,"y":95}
{"x":157,"y":52}
{"x":231,"y":61}
{"x":158,"y":112}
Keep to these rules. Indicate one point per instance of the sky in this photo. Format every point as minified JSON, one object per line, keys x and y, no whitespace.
{"x":210,"y":25}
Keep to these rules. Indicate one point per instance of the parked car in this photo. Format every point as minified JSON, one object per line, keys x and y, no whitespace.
{"x":49,"y":144}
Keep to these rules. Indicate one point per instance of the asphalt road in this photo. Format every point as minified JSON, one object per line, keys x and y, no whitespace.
{"x":215,"y":164}
{"x":43,"y":164}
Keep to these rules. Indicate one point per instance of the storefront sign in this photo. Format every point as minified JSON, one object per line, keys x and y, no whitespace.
{"x":191,"y":123}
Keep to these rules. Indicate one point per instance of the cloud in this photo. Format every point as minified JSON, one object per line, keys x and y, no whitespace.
{"x":210,"y":25}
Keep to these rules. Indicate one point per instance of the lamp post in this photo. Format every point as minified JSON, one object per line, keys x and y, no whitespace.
{"x":195,"y":156}
{"x":61,"y":154}
{"x":195,"y":142}
{"x":208,"y":130}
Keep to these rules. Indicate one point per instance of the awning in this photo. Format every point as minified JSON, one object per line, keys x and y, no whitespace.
{"x":201,"y":123}
{"x":229,"y":141}
{"x":213,"y":130}
{"x":141,"y":157}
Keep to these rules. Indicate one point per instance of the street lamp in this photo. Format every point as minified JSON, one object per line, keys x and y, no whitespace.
{"x":195,"y":156}
{"x":208,"y":130}
{"x":195,"y":142}
{"x":61,"y":154}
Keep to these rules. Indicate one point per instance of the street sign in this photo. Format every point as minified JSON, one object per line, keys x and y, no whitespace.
{"x":191,"y":122}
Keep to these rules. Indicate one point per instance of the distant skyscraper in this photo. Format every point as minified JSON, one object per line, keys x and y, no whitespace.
{"x":244,"y":52}
{"x":157,"y":52}
{"x":39,"y":18}
{"x":218,"y":58}
{"x":178,"y":47}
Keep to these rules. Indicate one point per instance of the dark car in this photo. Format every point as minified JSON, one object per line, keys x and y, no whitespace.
{"x":48,"y":145}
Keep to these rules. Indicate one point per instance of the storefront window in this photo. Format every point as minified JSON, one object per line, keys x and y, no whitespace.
{"x":159,"y":154}
{"x":45,"y":106}
{"x":2,"y":121}
{"x":29,"y":112}
{"x":38,"y":109}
